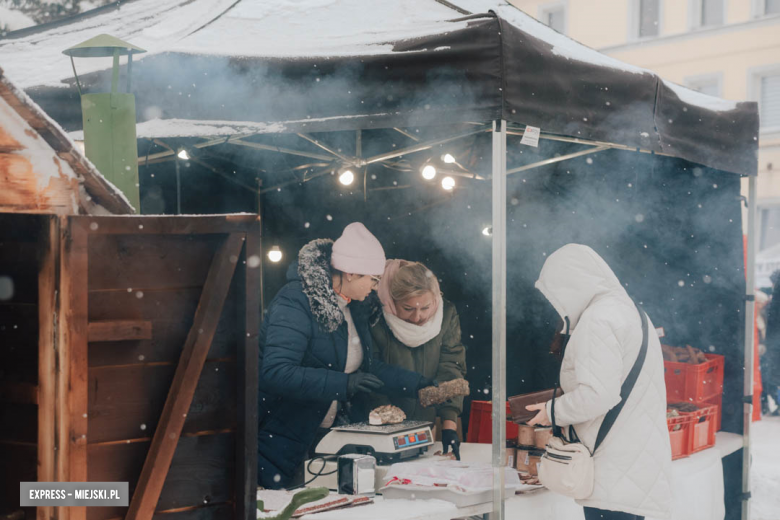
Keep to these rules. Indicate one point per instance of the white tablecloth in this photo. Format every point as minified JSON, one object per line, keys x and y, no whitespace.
{"x":697,"y":486}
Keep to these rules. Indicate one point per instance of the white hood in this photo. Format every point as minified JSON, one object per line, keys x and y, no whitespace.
{"x":572,"y":277}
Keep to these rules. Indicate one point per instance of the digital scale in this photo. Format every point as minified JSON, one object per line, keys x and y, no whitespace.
{"x":388,"y":443}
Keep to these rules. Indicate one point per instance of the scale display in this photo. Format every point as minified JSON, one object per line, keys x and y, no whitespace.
{"x":411,"y":439}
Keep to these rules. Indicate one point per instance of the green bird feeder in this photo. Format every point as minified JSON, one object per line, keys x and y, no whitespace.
{"x":109,"y":118}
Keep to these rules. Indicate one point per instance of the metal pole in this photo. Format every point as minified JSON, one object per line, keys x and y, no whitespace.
{"x":499,"y":316}
{"x":557,"y":159}
{"x":129,"y":70}
{"x":178,"y":188}
{"x":259,"y":183}
{"x":749,"y":337}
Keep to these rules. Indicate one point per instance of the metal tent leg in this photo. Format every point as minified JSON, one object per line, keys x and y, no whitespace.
{"x":499,"y":316}
{"x":749,"y":337}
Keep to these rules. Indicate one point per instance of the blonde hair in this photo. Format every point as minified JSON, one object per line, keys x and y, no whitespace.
{"x":413,"y":279}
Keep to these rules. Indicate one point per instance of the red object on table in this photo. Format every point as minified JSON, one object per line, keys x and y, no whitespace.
{"x":694,"y":383}
{"x":481,"y":423}
{"x":680,"y":439}
{"x":703,"y":427}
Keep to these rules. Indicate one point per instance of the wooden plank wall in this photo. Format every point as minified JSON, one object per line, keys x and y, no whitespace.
{"x":144,"y":269}
{"x":19,"y":261}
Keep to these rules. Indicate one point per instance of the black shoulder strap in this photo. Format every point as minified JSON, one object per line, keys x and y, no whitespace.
{"x":557,"y":430}
{"x":628,"y":384}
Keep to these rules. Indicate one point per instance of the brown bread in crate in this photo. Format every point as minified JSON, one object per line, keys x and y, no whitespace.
{"x":433,"y":395}
{"x":686,"y":354}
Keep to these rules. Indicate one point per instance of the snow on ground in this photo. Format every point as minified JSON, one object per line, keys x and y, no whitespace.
{"x":765,"y":470}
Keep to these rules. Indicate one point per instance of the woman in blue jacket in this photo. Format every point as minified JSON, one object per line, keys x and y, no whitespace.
{"x":316,"y":362}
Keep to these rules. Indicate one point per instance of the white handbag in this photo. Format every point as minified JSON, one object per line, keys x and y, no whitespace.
{"x":567,"y":466}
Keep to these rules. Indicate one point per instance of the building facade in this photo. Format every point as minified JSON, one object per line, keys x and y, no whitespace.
{"x":724,"y":48}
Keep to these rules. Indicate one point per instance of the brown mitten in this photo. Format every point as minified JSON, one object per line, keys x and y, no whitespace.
{"x":433,"y":395}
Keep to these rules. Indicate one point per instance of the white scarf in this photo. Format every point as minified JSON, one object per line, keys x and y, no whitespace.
{"x":413,"y":335}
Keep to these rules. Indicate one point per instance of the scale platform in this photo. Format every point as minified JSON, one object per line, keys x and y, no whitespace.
{"x":388,"y":443}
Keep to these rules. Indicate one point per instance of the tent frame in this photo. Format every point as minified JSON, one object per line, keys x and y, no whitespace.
{"x":500,"y":129}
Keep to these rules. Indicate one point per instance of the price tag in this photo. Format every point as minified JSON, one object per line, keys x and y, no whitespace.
{"x":531,"y":136}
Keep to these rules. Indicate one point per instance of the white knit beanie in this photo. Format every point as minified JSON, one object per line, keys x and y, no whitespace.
{"x":358,"y":251}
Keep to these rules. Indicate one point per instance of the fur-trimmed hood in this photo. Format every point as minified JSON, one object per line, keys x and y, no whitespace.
{"x":313,"y":270}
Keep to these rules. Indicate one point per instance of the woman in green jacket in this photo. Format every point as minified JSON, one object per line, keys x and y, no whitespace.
{"x":420,"y":331}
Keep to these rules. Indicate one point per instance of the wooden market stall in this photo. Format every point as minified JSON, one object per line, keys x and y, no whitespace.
{"x":129,"y":343}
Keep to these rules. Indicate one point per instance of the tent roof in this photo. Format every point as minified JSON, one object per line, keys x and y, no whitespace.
{"x":350,"y":64}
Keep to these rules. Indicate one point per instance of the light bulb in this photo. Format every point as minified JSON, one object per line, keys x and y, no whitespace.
{"x":487,"y":231}
{"x":346,"y":177}
{"x":429,"y":172}
{"x":448,"y":183}
{"x":183,"y":155}
{"x":447,"y":158}
{"x":275,"y":254}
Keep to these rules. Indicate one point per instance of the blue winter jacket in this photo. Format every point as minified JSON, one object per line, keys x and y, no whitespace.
{"x":303,"y":352}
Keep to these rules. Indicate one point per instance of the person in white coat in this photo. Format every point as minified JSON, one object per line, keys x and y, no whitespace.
{"x":633,"y":464}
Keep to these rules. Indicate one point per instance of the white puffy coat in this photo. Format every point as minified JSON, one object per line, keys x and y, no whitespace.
{"x":633,"y":463}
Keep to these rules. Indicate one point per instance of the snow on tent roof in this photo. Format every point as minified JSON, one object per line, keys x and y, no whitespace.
{"x":167,"y":128}
{"x":350,"y":64}
{"x":286,"y":28}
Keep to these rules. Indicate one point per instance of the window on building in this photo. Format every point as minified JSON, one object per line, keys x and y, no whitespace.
{"x":771,"y":6}
{"x":649,"y":17}
{"x":711,"y":13}
{"x":554,"y":16}
{"x":709,"y":85}
{"x":769,"y":100}
{"x":769,"y":226}
{"x":555,"y":19}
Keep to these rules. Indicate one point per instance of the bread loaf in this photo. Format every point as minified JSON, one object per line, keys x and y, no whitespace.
{"x":387,"y":414}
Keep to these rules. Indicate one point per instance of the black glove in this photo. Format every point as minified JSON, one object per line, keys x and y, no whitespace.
{"x":362,"y":382}
{"x":449,"y":438}
{"x":425,"y":383}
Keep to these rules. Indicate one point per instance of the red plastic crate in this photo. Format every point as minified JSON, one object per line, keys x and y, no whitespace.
{"x":715,"y":401}
{"x":680,"y":439}
{"x":703,"y":427}
{"x":694,"y":383}
{"x":481,"y":423}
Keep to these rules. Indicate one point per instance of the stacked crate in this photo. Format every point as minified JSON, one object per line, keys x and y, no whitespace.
{"x":700,"y":385}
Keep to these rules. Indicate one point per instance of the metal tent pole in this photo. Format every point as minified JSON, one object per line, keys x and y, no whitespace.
{"x":499,"y":316}
{"x":178,"y":188}
{"x":749,"y":337}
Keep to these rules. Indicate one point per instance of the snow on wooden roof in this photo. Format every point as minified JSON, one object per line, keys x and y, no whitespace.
{"x":41,"y":169}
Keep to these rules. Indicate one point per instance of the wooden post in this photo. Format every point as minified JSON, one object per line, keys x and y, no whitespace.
{"x":48,"y":309}
{"x":249,"y":287}
{"x":185,"y":380}
{"x":72,"y":388}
